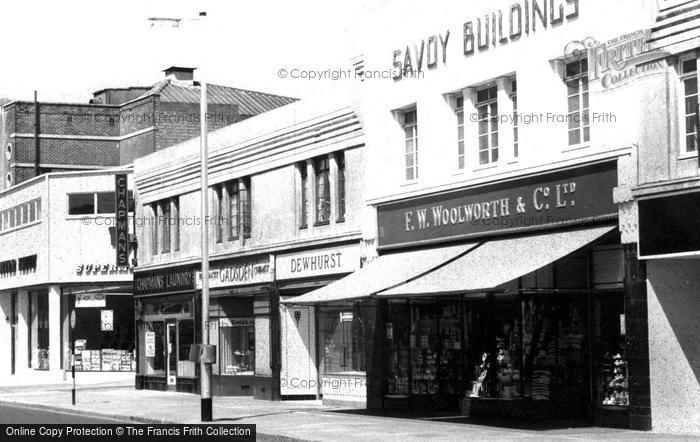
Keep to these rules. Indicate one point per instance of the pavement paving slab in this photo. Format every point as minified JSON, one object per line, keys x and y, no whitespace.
{"x":293,"y":420}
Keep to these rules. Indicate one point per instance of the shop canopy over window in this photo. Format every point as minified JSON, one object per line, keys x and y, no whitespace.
{"x":383,"y":273}
{"x":456,"y":269}
{"x":497,"y":262}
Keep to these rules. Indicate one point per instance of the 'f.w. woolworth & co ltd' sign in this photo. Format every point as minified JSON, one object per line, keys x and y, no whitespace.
{"x":567,"y":197}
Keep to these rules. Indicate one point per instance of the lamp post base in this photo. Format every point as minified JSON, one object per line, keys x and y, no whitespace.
{"x":206,"y":410}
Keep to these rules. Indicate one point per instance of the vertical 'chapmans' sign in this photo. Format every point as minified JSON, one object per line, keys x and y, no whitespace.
{"x":121,"y":200}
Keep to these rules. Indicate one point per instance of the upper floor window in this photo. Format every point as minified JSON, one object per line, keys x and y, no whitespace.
{"x":232,"y":217}
{"x":304,"y":193}
{"x":232,"y":210}
{"x":410,"y":128}
{"x":689,"y":80}
{"x":340,"y":161}
{"x":487,"y":111}
{"x":219,"y":219}
{"x":459,"y":112}
{"x":323,"y":191}
{"x":244,"y":206}
{"x":165,"y":220}
{"x":20,"y":214}
{"x":95,"y":203}
{"x":576,"y":78}
{"x":165,"y":228}
{"x":514,"y":100}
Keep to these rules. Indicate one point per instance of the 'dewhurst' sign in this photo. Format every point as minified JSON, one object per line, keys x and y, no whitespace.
{"x":560,"y":198}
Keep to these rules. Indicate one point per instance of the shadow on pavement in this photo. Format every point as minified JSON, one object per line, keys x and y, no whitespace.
{"x":455,"y":418}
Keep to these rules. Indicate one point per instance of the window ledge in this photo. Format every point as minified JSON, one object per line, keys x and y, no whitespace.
{"x":340,"y":220}
{"x":409,"y":183}
{"x":303,"y":227}
{"x":233,"y":238}
{"x":458,"y":172}
{"x":485,"y":167}
{"x":574,"y":147}
{"x":687,"y":156}
{"x":322,"y":223}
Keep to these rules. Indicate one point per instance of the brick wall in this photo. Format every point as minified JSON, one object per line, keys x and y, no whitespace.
{"x":135,"y":117}
{"x":67,"y":151}
{"x":68,"y":119}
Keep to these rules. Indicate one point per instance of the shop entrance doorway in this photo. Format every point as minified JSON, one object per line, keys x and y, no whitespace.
{"x":13,"y":332}
{"x":171,"y":344}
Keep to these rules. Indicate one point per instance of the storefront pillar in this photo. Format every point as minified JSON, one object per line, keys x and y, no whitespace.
{"x":5,"y":333}
{"x":34,"y":329}
{"x":275,"y":340}
{"x":22,"y":337}
{"x":376,"y":352}
{"x":54,"y":328}
{"x":637,"y":333}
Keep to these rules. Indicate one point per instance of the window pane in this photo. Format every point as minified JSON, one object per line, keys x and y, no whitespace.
{"x":573,"y":69}
{"x":460,"y":162}
{"x":494,"y":139}
{"x":460,"y":118}
{"x":691,"y":104}
{"x":690,"y":124}
{"x":409,"y":146}
{"x":483,"y":142}
{"x":573,"y":103}
{"x":494,"y":155}
{"x":105,"y":202}
{"x":81,"y":204}
{"x":484,"y":157}
{"x":460,"y":132}
{"x":460,"y":147}
{"x":574,"y":120}
{"x":574,"y":137}
{"x":586,"y":134}
{"x":409,"y":174}
{"x":585,"y":100}
{"x":690,"y":143}
{"x":483,"y":127}
{"x":482,"y":95}
{"x":690,"y":65}
{"x":572,"y":87}
{"x":691,"y":86}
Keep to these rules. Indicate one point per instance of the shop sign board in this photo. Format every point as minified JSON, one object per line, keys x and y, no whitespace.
{"x":476,"y":35}
{"x":668,"y":225}
{"x":562,"y":198}
{"x":318,"y":262}
{"x":107,"y":320}
{"x":175,"y":279}
{"x":243,"y":271}
{"x":346,"y":387}
{"x":236,"y":322}
{"x":83,"y":300}
{"x":121,"y":200}
{"x":150,"y":344}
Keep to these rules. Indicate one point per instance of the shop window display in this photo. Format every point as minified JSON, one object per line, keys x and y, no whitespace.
{"x":185,"y":339}
{"x":237,"y":343}
{"x":341,"y":340}
{"x":397,"y":331}
{"x":612,"y":383}
{"x":102,"y":349}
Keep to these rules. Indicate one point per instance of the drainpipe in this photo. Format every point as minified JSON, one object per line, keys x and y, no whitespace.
{"x":37,"y":155}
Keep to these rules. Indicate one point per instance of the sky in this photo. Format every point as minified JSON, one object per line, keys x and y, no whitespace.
{"x":68,"y":49}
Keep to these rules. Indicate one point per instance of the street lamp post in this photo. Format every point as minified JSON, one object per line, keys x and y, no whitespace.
{"x":207,"y":353}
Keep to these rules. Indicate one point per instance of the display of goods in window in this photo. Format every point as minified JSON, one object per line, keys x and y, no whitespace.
{"x":616,"y":382}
